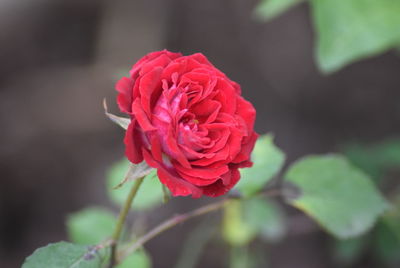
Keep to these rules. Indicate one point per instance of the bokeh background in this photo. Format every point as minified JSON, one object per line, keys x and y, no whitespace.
{"x":60,"y":58}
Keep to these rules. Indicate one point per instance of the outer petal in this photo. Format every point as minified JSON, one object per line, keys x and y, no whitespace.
{"x":200,"y":181}
{"x":150,"y":85}
{"x":138,"y":65}
{"x":124,"y":87}
{"x":175,"y":184}
{"x":133,"y":144}
{"x":141,"y":116}
{"x":161,"y":61}
{"x":246,"y":149}
{"x":218,"y":188}
{"x":204,"y":173}
{"x":226,"y":95}
{"x":246,"y":110}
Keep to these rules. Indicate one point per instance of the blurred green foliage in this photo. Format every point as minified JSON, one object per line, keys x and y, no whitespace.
{"x":388,"y":237}
{"x":329,"y":188}
{"x":244,"y":220}
{"x":268,"y":160}
{"x":346,"y":31}
{"x":241,"y":257}
{"x":149,"y":196}
{"x":347,"y":252}
{"x":65,"y":255}
{"x":137,"y":259}
{"x":236,"y":230}
{"x":375,"y":159}
{"x":266,"y":217}
{"x":379,"y":160}
{"x":90,"y":226}
{"x":383,"y":242}
{"x":336,"y":194}
{"x":269,"y":9}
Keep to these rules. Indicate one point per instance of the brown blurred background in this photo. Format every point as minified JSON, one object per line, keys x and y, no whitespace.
{"x":60,"y":58}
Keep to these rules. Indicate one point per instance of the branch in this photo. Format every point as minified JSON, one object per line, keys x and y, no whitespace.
{"x":121,"y":220}
{"x":175,"y":220}
{"x":169,"y":224}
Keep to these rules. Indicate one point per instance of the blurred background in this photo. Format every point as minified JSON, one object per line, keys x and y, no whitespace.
{"x":60,"y":58}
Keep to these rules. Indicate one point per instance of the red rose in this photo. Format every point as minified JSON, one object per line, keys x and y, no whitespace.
{"x":189,"y":121}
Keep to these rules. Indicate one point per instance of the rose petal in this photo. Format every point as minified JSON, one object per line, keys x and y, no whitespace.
{"x":161,"y":61}
{"x":220,"y":156}
{"x":136,"y":68}
{"x":205,"y":173}
{"x":226,"y":96}
{"x":246,"y":111}
{"x":246,"y":149}
{"x":206,"y":111}
{"x":176,"y":185}
{"x":200,"y":181}
{"x":173,"y":150}
{"x":141,"y":116}
{"x":234,"y":142}
{"x":124,"y":99}
{"x":150,"y":85}
{"x":155,"y":146}
{"x":218,"y":188}
{"x":133,"y":144}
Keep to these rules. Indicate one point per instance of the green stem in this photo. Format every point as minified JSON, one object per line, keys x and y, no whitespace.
{"x":121,"y":220}
{"x":169,"y":224}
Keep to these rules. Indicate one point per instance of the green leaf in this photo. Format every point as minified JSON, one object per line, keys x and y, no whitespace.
{"x":348,"y":251}
{"x":90,"y":226}
{"x":349,"y":30}
{"x":388,"y":235}
{"x":361,"y":157}
{"x":65,"y":255}
{"x":137,"y":259}
{"x":149,"y":195}
{"x":235,"y":230}
{"x":245,"y":219}
{"x":268,"y":160}
{"x":376,"y":158}
{"x":336,"y":194}
{"x":269,"y":9}
{"x":265,"y":217}
{"x":241,"y":257}
{"x":387,"y":243}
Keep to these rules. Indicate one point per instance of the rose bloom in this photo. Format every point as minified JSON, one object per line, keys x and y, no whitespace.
{"x":189,"y":121}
